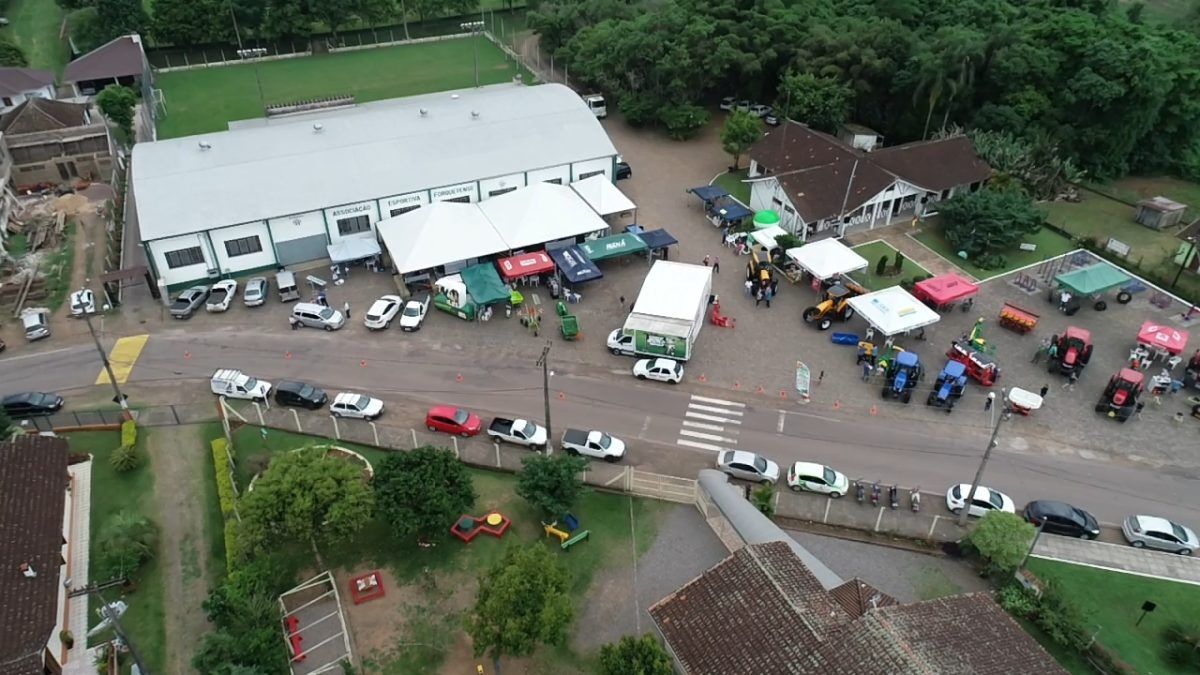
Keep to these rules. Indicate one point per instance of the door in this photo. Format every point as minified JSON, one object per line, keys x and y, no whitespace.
{"x":1162,"y":541}
{"x":71,"y":169}
{"x":302,"y":250}
{"x":62,"y":172}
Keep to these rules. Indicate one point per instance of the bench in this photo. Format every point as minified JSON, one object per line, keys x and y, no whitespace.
{"x":576,"y":539}
{"x":1028,"y":247}
{"x":294,"y":639}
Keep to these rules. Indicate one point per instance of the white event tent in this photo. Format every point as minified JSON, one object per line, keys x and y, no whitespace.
{"x":766,"y":236}
{"x":437,"y":234}
{"x":893,"y":311}
{"x":827,"y":258}
{"x":539,"y":213}
{"x":604,"y":197}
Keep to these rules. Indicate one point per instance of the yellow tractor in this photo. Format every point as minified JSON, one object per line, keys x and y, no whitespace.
{"x":836,"y":305}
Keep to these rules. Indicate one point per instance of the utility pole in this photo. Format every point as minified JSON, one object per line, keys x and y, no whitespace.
{"x":94,"y":590}
{"x":987,"y":453}
{"x":474,"y":27}
{"x":119,"y":397}
{"x":544,"y":362}
{"x":1183,"y":262}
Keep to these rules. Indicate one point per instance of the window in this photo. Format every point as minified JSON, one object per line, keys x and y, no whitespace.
{"x":7,"y":102}
{"x":243,"y":246}
{"x":556,"y":181}
{"x":354,"y":224}
{"x":777,"y":201}
{"x":184,"y":257}
{"x":404,"y":209}
{"x":465,"y":199}
{"x":494,"y":193}
{"x":589,"y":174}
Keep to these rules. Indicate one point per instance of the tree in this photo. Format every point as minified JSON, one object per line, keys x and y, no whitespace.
{"x":551,"y":484}
{"x":11,"y":54}
{"x":740,"y":132}
{"x":986,"y":223}
{"x":6,"y":425}
{"x":1002,"y":539}
{"x":117,"y":104}
{"x":127,"y":541}
{"x":881,"y":266}
{"x":522,"y":601}
{"x":190,"y":22}
{"x":244,"y":611}
{"x":635,"y":656}
{"x":820,"y":102}
{"x":120,"y":17}
{"x":305,"y":496}
{"x":683,"y":120}
{"x":422,"y":492}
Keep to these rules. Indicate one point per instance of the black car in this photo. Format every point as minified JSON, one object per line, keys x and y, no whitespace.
{"x":31,"y":404}
{"x":623,"y":171}
{"x":299,"y":394}
{"x":1061,"y":518}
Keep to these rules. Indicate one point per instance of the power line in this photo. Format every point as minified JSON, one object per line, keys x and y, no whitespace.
{"x":94,"y":589}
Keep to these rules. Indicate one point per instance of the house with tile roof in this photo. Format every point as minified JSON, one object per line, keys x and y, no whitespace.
{"x":120,"y":61}
{"x":56,"y":141}
{"x":19,"y":84}
{"x":760,"y":611}
{"x":823,"y":186}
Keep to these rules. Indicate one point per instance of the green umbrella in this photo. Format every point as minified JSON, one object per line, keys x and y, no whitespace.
{"x":765,"y":219}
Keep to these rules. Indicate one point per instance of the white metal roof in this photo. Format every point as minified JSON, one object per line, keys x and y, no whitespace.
{"x":766,"y":236}
{"x":893,"y":310}
{"x":287,"y":166}
{"x":440,"y":233}
{"x":827,"y":258}
{"x":604,"y":197}
{"x":673,"y":290}
{"x":539,"y":213}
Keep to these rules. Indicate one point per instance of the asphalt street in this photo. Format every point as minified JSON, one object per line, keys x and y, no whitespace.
{"x":670,"y":429}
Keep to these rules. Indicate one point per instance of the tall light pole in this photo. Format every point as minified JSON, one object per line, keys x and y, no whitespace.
{"x":1005,"y":415}
{"x":112,"y":379}
{"x":111,"y":614}
{"x":544,"y":362}
{"x":474,"y":27}
{"x":1185,"y":260}
{"x":254,"y":53}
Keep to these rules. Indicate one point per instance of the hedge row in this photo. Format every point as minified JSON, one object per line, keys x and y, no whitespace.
{"x":128,"y":434}
{"x":220,"y":453}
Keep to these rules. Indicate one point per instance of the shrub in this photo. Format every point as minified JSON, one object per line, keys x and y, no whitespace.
{"x":763,"y":498}
{"x":125,"y":458}
{"x":126,"y":541}
{"x":226,"y":497}
{"x":129,"y":434}
{"x":1017,"y":600}
{"x":1060,"y":618}
{"x":683,"y":120}
{"x":898,"y":263}
{"x":1002,"y":540}
{"x":881,"y":266}
{"x":787,"y":241}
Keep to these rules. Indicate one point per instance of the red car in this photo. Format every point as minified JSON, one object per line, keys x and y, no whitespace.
{"x":453,"y":420}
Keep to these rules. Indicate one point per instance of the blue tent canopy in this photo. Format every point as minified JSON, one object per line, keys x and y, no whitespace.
{"x":708,"y":192}
{"x":656,"y":239}
{"x":574,"y":264}
{"x":733,"y":212}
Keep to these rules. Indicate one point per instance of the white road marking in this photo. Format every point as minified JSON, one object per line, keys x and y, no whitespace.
{"x":713,"y":408}
{"x":782,"y":418}
{"x":719,"y":401}
{"x":22,"y":357}
{"x":697,"y":444}
{"x":702,"y":425}
{"x":711,"y":418}
{"x":823,"y":418}
{"x":707,"y":437}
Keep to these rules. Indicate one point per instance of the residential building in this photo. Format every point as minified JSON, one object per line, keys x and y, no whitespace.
{"x":120,"y":61}
{"x":8,"y":198}
{"x":55,"y":141}
{"x":18,"y":85}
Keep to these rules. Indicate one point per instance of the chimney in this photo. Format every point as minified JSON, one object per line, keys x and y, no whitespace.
{"x":27,"y":570}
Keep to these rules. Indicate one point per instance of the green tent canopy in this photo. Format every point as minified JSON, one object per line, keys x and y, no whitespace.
{"x":1093,"y":279}
{"x":613,"y":247}
{"x":765,"y":219}
{"x":484,"y":284}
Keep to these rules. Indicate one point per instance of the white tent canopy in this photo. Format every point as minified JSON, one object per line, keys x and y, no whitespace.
{"x":351,"y":249}
{"x":437,"y":234}
{"x":604,"y":197}
{"x":893,"y":310}
{"x":539,"y":213}
{"x":827,"y":258}
{"x":766,"y":236}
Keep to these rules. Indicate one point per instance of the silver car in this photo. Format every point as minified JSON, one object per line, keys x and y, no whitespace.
{"x":1159,"y":533}
{"x":748,"y":466}
{"x":313,"y":315}
{"x":256,"y":291}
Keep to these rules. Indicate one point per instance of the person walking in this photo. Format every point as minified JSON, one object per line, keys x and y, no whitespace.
{"x":991,"y":398}
{"x":866,"y":371}
{"x":716,"y":264}
{"x":622,"y":301}
{"x":1138,"y":410}
{"x":706,"y":260}
{"x":1071,"y":379}
{"x":767,"y":296}
{"x":749,"y":288}
{"x":1052,"y":352}
{"x":1045,"y":388}
{"x":346,"y":309}
{"x":758,"y":297}
{"x":1041,"y":350}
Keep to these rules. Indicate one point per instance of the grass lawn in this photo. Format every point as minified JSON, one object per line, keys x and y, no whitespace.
{"x":57,"y":268}
{"x":113,"y":492}
{"x":34,"y":25}
{"x":1101,"y":218}
{"x":1112,"y":602}
{"x":872,"y":252}
{"x":732,"y":182}
{"x":1049,"y":244}
{"x":205,"y":100}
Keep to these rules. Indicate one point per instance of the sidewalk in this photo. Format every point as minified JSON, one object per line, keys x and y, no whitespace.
{"x":1119,"y":558}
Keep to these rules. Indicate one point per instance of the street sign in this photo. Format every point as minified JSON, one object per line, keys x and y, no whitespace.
{"x":803,"y":381}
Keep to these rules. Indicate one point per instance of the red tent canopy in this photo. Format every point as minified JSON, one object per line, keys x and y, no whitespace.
{"x":944,"y":289}
{"x":1156,"y":335}
{"x":525,"y":265}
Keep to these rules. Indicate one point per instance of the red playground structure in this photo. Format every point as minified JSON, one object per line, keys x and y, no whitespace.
{"x":719,"y":319}
{"x":366,"y":587}
{"x":469,"y":527}
{"x":980,"y":367}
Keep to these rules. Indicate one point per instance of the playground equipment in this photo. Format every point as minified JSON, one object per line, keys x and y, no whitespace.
{"x":570,"y":536}
{"x":902,"y":376}
{"x":367,"y":587}
{"x":1016,"y":319}
{"x":949,"y":387}
{"x":1120,"y":397}
{"x":1074,"y":350}
{"x":836,"y":305}
{"x":719,"y":319}
{"x":979,"y":366}
{"x":469,"y":527}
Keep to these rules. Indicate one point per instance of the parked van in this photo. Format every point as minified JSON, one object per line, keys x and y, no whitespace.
{"x":299,"y":394}
{"x":236,"y":384}
{"x":285,"y":281}
{"x":36,"y":321}
{"x":596,"y":103}
{"x":313,"y":315}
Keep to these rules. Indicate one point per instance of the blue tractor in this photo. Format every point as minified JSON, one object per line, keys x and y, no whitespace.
{"x":902,"y":376}
{"x":949,"y":386}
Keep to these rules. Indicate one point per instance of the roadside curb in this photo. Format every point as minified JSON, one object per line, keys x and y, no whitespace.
{"x":848,"y":534}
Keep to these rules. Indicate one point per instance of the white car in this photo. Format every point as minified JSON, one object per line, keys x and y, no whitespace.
{"x":620,"y":345}
{"x":727,"y":103}
{"x":356,"y":406}
{"x":759,"y":110}
{"x":748,"y":466}
{"x":256,"y":291}
{"x":810,"y":477}
{"x":414,"y":314}
{"x":382,"y":311}
{"x":986,"y":500}
{"x":662,"y":370}
{"x":1159,"y":533}
{"x":593,"y":444}
{"x":83,"y":302}
{"x":742,"y":105}
{"x":220,"y":295}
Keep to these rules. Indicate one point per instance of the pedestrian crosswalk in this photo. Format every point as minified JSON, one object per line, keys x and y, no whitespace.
{"x":711,"y":424}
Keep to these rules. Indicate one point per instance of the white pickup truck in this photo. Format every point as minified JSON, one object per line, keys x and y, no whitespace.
{"x":221,"y":294}
{"x":593,"y":444}
{"x":518,"y":432}
{"x":414,"y":314}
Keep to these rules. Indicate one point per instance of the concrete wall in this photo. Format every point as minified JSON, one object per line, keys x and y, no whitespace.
{"x":369,"y":209}
{"x":298,"y":226}
{"x":507,"y":183}
{"x":561,"y":173}
{"x":180,"y":275}
{"x":388,"y":204}
{"x":51,"y":151}
{"x":46,"y":92}
{"x":579,"y":170}
{"x":449,"y":192}
{"x":249,"y":261}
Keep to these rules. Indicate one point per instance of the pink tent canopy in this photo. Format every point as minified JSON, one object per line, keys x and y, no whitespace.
{"x":1156,"y":335}
{"x":944,"y":289}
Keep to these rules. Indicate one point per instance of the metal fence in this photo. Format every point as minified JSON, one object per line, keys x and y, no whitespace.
{"x":152,"y":416}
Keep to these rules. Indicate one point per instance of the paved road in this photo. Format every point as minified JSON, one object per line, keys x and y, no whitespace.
{"x":673,"y":430}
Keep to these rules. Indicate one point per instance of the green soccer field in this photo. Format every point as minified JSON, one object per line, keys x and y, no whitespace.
{"x":207,"y":99}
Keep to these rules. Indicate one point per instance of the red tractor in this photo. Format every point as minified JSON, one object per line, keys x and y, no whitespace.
{"x":1073,"y":350}
{"x":1120,"y":397}
{"x":980,"y":367}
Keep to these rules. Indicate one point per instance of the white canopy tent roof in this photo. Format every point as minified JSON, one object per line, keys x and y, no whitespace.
{"x":766,"y":236}
{"x":893,"y":310}
{"x":351,"y":249}
{"x":604,"y":197}
{"x":440,"y":233}
{"x":827,"y":258}
{"x":539,"y":213}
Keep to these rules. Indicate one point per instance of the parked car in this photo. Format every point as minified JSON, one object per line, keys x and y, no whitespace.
{"x":256,"y":291}
{"x":748,"y":466}
{"x":985,"y":500}
{"x":662,"y":370}
{"x":620,"y":344}
{"x":727,"y":103}
{"x":414,"y":314}
{"x":743,"y":105}
{"x":1159,"y":533}
{"x":36,"y":322}
{"x":453,"y":420}
{"x":299,"y":394}
{"x":188,"y":301}
{"x":593,"y":444}
{"x":382,"y":311}
{"x":356,"y":406}
{"x":759,"y":110}
{"x":624,"y":171}
{"x":1061,"y":518}
{"x":771,"y":119}
{"x":518,"y":432}
{"x":83,"y":302}
{"x":220,"y":295}
{"x":236,"y":384}
{"x":810,"y":477}
{"x":31,"y":404}
{"x":312,"y":315}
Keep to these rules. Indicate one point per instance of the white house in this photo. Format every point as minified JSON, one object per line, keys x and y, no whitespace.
{"x":19,"y":84}
{"x":276,"y":192}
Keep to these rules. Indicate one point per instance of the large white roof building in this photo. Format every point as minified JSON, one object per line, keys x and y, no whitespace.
{"x":276,"y":192}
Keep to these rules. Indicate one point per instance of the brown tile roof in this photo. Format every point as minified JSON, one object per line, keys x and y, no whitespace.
{"x":795,"y":146}
{"x":819,"y":192}
{"x":758,"y":611}
{"x":33,"y":483}
{"x":857,"y":596}
{"x":120,"y":57}
{"x":934,"y":165}
{"x":14,"y":81}
{"x":39,"y":114}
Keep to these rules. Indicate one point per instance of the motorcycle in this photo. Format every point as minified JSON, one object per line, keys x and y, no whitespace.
{"x":875,"y":494}
{"x":914,"y":498}
{"x":894,"y":497}
{"x":860,"y":491}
